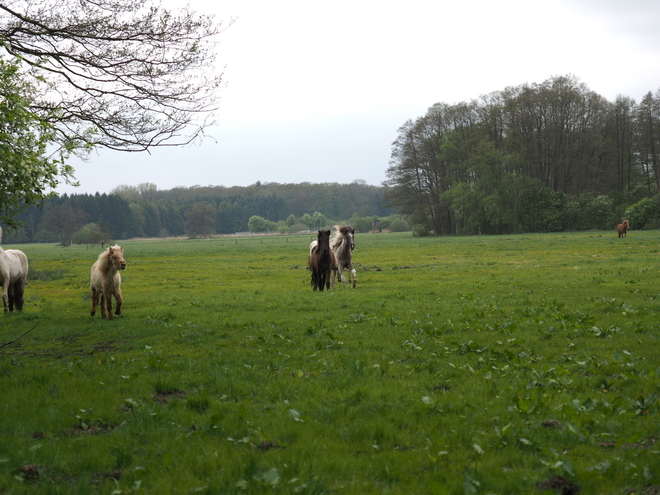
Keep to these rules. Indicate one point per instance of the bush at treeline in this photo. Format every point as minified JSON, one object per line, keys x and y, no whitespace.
{"x":533,"y":158}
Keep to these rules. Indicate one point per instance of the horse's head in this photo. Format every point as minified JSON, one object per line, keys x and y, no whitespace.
{"x":323,"y":239}
{"x":348,"y":233}
{"x":116,"y":254}
{"x":626,"y":223}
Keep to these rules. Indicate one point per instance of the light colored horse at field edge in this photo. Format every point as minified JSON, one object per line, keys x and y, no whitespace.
{"x":13,"y":276}
{"x":106,"y":281}
{"x":343,"y":245}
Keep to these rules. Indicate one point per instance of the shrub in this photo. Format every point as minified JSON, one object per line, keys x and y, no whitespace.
{"x":542,"y":210}
{"x":588,"y":212}
{"x":645,"y":214}
{"x":260,"y":224}
{"x":420,"y":230}
{"x":399,"y":225}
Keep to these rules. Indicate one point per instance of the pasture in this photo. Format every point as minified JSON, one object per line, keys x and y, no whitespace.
{"x":473,"y":365}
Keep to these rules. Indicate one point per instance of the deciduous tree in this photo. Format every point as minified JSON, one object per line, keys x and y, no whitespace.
{"x":80,"y":74}
{"x":27,"y":173}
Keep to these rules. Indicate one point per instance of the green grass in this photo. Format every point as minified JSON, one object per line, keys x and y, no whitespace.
{"x":459,"y":365}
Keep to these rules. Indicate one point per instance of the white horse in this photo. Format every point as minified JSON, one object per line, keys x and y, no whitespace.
{"x":13,"y":276}
{"x":342,"y":245}
{"x":106,"y":281}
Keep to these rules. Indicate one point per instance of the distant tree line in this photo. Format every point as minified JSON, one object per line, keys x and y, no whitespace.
{"x":534,"y":158}
{"x":144,"y":211}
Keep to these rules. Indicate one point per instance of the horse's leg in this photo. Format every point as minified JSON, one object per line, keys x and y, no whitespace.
{"x":95,"y":300}
{"x":19,"y":293}
{"x":342,"y":277}
{"x":337,"y":270}
{"x":353,"y":273}
{"x":119,"y":300}
{"x":107,"y":298}
{"x":314,"y":283}
{"x":102,"y":304}
{"x":11,"y":295}
{"x":5,"y":296}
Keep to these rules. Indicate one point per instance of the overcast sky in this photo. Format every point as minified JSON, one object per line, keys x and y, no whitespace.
{"x":317,"y":91}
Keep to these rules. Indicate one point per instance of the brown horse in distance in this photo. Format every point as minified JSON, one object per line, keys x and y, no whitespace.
{"x":321,"y":261}
{"x":622,"y":228}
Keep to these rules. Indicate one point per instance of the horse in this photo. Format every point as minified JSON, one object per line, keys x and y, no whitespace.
{"x":342,"y":246}
{"x":106,"y":281}
{"x":321,"y":260}
{"x":13,"y":277}
{"x":622,"y":228}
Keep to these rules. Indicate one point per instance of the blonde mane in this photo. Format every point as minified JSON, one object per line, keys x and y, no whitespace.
{"x":337,"y":239}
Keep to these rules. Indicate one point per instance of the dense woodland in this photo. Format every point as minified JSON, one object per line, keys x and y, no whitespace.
{"x":144,"y":211}
{"x":537,"y":157}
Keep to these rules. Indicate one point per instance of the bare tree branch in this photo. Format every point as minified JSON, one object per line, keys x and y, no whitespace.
{"x":114,"y":74}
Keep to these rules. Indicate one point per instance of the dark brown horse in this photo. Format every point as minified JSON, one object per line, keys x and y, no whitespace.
{"x":622,"y":228}
{"x":321,"y":260}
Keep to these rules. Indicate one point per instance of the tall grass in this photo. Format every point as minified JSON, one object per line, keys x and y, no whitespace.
{"x":510,"y":364}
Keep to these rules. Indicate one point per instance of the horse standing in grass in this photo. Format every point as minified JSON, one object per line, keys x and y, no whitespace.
{"x":321,"y":260}
{"x":13,"y":276}
{"x":622,"y":228}
{"x":342,"y":246}
{"x":106,"y":281}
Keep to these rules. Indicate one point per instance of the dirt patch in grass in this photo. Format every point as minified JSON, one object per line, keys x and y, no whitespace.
{"x":166,"y":396}
{"x":29,"y":473}
{"x":97,"y":478}
{"x":645,"y":490}
{"x":647,"y":443}
{"x":553,"y":423}
{"x":265,"y":446}
{"x":559,"y":484}
{"x":90,"y":430}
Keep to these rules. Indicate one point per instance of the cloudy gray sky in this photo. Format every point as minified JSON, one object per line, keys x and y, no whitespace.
{"x":316,"y":91}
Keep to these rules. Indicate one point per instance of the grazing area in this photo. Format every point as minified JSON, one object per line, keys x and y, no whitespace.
{"x":495,"y":364}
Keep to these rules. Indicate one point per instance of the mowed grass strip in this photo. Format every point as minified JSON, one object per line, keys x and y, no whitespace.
{"x":504,"y":364}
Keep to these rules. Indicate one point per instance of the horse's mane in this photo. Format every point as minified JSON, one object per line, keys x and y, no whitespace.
{"x":103,"y":262}
{"x":337,"y":239}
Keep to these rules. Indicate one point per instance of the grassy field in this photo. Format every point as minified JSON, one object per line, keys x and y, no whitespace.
{"x":471,"y":365}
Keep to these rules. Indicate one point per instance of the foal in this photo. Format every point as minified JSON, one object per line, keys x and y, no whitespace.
{"x":106,"y":281}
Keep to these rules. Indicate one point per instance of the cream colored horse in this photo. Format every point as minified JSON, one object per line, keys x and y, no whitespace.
{"x":106,"y":281}
{"x":13,"y":276}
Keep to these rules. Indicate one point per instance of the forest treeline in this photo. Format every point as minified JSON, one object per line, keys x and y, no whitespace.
{"x":145,"y":211}
{"x":533,"y":158}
